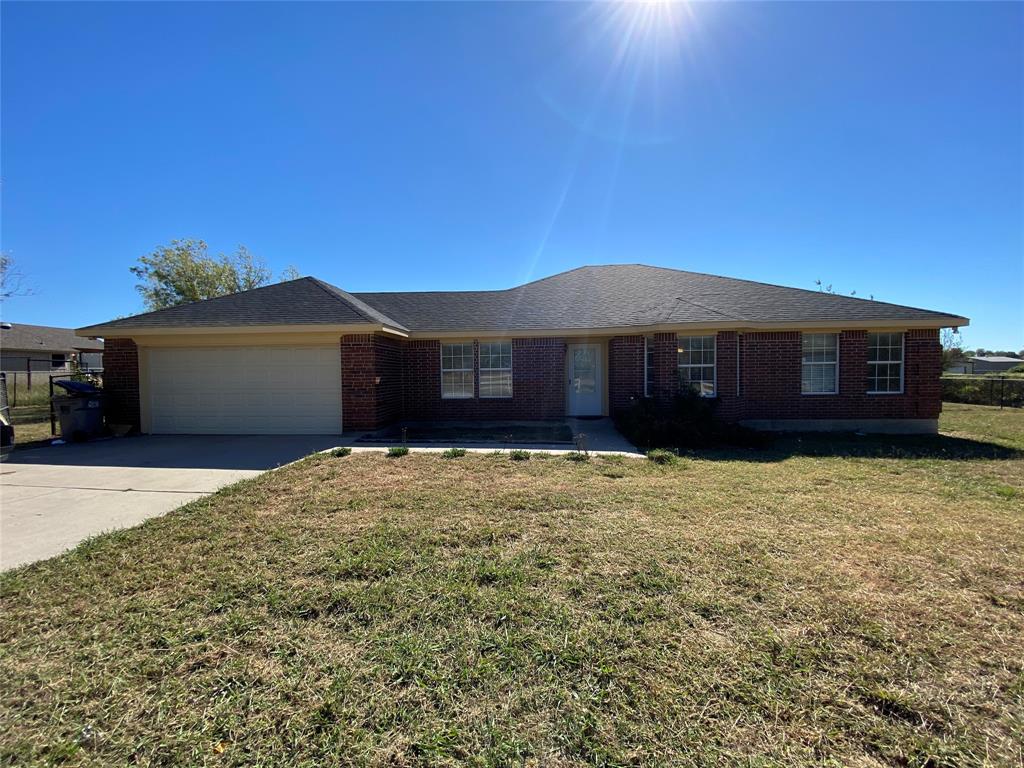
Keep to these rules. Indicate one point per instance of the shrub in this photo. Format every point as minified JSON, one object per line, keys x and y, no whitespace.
{"x":397,"y":451}
{"x":454,"y":453}
{"x":518,"y":454}
{"x":688,"y":422}
{"x":577,"y":456}
{"x":340,"y":452}
{"x":661,"y":456}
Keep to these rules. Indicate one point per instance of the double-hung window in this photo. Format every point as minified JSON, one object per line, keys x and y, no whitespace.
{"x":696,"y":355}
{"x":496,"y":369}
{"x":820,"y":370}
{"x":885,"y":363}
{"x":456,"y":371}
{"x":648,"y":366}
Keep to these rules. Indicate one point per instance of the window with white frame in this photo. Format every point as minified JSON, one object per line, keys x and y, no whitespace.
{"x":496,"y":369}
{"x":696,"y":356}
{"x":456,"y":371}
{"x":885,"y":363}
{"x":648,"y":366}
{"x":820,"y":371}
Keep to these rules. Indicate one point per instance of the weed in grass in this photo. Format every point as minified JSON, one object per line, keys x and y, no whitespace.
{"x":662,"y":456}
{"x":341,"y":452}
{"x":397,"y":451}
{"x":518,"y":454}
{"x":454,"y":453}
{"x":1007,"y":491}
{"x":577,"y":456}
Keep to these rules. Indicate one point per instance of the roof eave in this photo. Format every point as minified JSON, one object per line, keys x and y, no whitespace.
{"x":119,"y":331}
{"x":940,"y":321}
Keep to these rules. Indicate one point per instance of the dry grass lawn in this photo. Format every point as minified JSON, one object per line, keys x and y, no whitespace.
{"x":31,"y":426}
{"x":841,"y":603}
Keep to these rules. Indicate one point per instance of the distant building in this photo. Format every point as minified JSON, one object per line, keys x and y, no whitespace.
{"x":44,"y":348}
{"x":989,"y":363}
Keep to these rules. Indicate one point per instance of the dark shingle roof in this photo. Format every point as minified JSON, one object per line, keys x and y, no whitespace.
{"x":627,"y":295}
{"x":306,"y":301}
{"x":45,"y":338}
{"x":615,"y":296}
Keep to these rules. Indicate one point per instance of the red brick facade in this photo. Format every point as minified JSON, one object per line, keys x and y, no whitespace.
{"x":121,"y":382}
{"x":386,"y":379}
{"x":769,"y":372}
{"x":538,"y":383}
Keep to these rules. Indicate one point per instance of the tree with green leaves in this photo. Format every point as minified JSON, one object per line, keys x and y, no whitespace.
{"x":184,"y":271}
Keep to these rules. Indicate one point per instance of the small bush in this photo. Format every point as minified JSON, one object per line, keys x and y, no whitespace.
{"x":518,"y":454}
{"x":661,"y":456}
{"x":454,"y":453}
{"x":340,"y":452}
{"x":576,"y":456}
{"x":688,"y":422}
{"x":397,"y":451}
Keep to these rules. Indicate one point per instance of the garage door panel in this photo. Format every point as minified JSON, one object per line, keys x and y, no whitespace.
{"x":245,"y":390}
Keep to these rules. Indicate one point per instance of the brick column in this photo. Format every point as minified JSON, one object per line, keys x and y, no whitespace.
{"x":666,"y":368}
{"x":625,"y":371}
{"x":121,"y":382}
{"x":727,"y":405}
{"x":922,"y":360}
{"x":358,"y":391}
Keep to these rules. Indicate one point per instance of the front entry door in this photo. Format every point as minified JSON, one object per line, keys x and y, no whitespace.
{"x":585,"y":388}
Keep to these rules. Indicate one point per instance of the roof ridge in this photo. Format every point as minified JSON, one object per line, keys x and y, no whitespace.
{"x":357,"y":304}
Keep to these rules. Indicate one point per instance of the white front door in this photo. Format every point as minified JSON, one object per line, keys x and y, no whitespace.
{"x":585,"y":390}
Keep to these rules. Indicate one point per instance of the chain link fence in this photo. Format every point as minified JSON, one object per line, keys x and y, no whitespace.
{"x":1002,"y":391}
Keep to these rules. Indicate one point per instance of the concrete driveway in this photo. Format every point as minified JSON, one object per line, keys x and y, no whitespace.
{"x":53,"y":498}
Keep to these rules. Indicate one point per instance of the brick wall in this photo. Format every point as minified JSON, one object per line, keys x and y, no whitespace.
{"x":538,"y":384}
{"x":625,"y":371}
{"x":371,"y":380}
{"x":768,"y":385}
{"x":121,"y":382}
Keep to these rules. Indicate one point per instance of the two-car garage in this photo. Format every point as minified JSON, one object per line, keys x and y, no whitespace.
{"x":241,"y":390}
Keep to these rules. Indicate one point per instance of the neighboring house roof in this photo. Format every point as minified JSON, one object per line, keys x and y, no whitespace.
{"x":996,"y":359}
{"x":45,"y":338}
{"x":616,"y":296}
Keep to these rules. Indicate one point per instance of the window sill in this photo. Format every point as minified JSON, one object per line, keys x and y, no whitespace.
{"x":900,"y":392}
{"x":818,"y":394}
{"x":457,"y":397}
{"x":495,"y":397}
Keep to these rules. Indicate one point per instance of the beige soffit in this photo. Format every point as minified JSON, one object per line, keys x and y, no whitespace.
{"x":296,"y":331}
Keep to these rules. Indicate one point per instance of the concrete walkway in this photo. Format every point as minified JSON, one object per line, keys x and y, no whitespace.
{"x":53,"y":498}
{"x":599,"y":436}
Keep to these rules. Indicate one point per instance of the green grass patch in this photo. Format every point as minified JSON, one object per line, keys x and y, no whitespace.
{"x":397,"y":451}
{"x":341,"y":452}
{"x":662,"y":456}
{"x":518,"y":454}
{"x":454,"y":453}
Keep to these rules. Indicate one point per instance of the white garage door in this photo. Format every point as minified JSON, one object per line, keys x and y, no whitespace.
{"x":245,"y":390}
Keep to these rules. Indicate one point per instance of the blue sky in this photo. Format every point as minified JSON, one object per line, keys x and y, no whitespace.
{"x":878,"y":147}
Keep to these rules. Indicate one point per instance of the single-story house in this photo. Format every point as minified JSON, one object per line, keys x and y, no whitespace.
{"x":45,"y":348}
{"x":987,"y":363}
{"x":305,"y":356}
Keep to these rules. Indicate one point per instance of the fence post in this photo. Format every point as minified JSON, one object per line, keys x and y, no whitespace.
{"x":1002,"y":389}
{"x":15,"y":405}
{"x":28,"y":369}
{"x":53,"y":413}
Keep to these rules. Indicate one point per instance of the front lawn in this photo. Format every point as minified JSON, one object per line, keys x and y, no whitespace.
{"x":860,"y":605}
